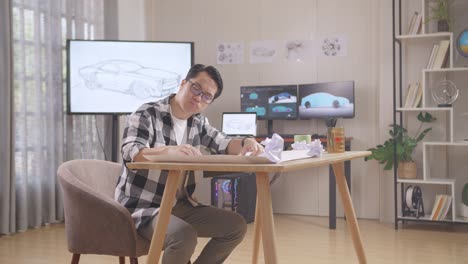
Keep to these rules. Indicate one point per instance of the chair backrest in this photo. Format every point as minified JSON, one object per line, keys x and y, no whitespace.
{"x":99,"y":175}
{"x":94,"y":221}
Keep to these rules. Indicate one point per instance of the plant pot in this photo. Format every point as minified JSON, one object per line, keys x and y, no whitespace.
{"x":407,"y":170}
{"x":443,"y":26}
{"x":464,"y":210}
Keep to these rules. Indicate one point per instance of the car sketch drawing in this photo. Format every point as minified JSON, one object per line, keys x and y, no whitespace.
{"x":130,"y":78}
{"x":239,"y":124}
{"x":263,"y":52}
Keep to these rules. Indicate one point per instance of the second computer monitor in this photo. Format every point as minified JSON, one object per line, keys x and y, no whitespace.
{"x":326,"y":100}
{"x":270,"y":102}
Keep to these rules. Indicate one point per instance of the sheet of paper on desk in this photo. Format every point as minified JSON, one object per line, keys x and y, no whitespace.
{"x":285,"y":156}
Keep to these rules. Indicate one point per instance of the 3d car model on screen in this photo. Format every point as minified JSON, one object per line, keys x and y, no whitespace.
{"x":130,"y":78}
{"x":281,"y":109}
{"x":253,"y":96}
{"x":282,"y":98}
{"x":261,"y":111}
{"x":324,"y":100}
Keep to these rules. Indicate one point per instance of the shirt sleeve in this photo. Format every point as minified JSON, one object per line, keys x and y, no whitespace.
{"x":216,"y":141}
{"x":137,"y":135}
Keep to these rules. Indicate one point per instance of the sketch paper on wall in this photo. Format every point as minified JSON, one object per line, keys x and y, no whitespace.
{"x":333,"y":46}
{"x":298,"y":50}
{"x":263,"y":51}
{"x":230,"y":53}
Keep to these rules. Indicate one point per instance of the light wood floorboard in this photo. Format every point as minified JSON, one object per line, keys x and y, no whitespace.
{"x":300,"y":239}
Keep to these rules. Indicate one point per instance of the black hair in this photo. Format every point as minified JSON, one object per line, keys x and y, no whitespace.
{"x":211,"y":71}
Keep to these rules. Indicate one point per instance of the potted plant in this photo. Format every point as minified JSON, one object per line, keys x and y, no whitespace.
{"x":405,"y":145}
{"x":439,"y":12}
{"x":464,"y":203}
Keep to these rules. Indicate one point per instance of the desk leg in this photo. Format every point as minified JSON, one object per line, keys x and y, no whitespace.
{"x":164,"y":216}
{"x":331,"y":199}
{"x":266,"y":217}
{"x":338,"y":169}
{"x":332,"y":193}
{"x":257,"y":233}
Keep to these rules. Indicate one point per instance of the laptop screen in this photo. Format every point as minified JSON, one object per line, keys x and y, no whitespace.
{"x":240,"y":123}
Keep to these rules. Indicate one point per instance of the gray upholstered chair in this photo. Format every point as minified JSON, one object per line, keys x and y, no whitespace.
{"x":95,"y":223}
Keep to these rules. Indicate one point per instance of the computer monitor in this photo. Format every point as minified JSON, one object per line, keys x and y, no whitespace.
{"x":239,"y":123}
{"x":326,"y":100}
{"x":270,"y":102}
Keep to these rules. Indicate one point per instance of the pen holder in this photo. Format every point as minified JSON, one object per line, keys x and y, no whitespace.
{"x":335,"y":140}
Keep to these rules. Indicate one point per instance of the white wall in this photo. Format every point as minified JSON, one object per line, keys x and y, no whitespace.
{"x":365,"y":23}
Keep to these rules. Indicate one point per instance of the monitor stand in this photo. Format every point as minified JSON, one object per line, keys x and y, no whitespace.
{"x":269,"y":128}
{"x":330,"y":122}
{"x":115,"y":137}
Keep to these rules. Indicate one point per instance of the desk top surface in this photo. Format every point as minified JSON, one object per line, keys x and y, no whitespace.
{"x":252,"y":167}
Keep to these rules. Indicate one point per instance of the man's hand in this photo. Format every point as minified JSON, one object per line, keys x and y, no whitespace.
{"x":251,"y":145}
{"x":183,"y":150}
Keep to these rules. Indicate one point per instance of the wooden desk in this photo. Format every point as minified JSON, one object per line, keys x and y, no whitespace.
{"x":331,"y":176}
{"x":264,"y":224}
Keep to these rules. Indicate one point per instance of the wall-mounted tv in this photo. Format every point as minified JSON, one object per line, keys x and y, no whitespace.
{"x":116,"y":77}
{"x":270,"y":102}
{"x":326,"y":100}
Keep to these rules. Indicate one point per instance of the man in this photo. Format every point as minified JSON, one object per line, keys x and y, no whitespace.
{"x":175,"y":126}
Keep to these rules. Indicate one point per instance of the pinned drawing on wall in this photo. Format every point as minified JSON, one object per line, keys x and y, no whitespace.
{"x":333,"y":46}
{"x":263,"y":51}
{"x":298,"y":50}
{"x":230,"y":53}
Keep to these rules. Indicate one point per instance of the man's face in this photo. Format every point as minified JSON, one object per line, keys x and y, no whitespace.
{"x":197,"y":92}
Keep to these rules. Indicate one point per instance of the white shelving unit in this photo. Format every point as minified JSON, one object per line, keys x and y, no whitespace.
{"x":438,"y":155}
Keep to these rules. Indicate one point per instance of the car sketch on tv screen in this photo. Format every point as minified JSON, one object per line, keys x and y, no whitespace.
{"x":130,"y":78}
{"x":109,"y":77}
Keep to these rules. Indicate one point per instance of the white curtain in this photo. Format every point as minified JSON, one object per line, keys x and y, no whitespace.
{"x":44,"y":136}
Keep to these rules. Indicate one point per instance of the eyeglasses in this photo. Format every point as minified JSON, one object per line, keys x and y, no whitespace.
{"x":197,"y":91}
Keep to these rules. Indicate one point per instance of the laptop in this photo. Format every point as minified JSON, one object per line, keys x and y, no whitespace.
{"x":239,"y":123}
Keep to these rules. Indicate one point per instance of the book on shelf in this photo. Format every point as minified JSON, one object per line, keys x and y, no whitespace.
{"x":413,"y":96}
{"x":418,"y":96}
{"x":430,"y":63}
{"x":441,"y":55}
{"x":437,"y":207}
{"x":441,"y":207}
{"x":410,"y":27}
{"x":415,"y":24}
{"x":445,"y":208}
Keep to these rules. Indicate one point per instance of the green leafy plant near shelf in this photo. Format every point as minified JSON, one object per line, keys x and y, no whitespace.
{"x":465,"y":194}
{"x":405,"y":144}
{"x":439,"y":12}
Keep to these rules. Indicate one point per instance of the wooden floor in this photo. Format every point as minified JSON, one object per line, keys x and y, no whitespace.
{"x":300,"y":239}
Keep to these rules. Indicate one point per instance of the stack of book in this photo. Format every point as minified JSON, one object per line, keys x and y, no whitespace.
{"x":415,"y":24}
{"x":413,"y":96}
{"x":438,"y":56}
{"x":441,"y":208}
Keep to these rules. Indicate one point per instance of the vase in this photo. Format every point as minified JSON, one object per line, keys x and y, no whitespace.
{"x":464,"y":210}
{"x":442,"y":26}
{"x":407,"y":170}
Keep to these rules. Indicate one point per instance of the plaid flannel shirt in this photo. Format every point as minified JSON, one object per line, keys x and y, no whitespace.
{"x":140,"y":191}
